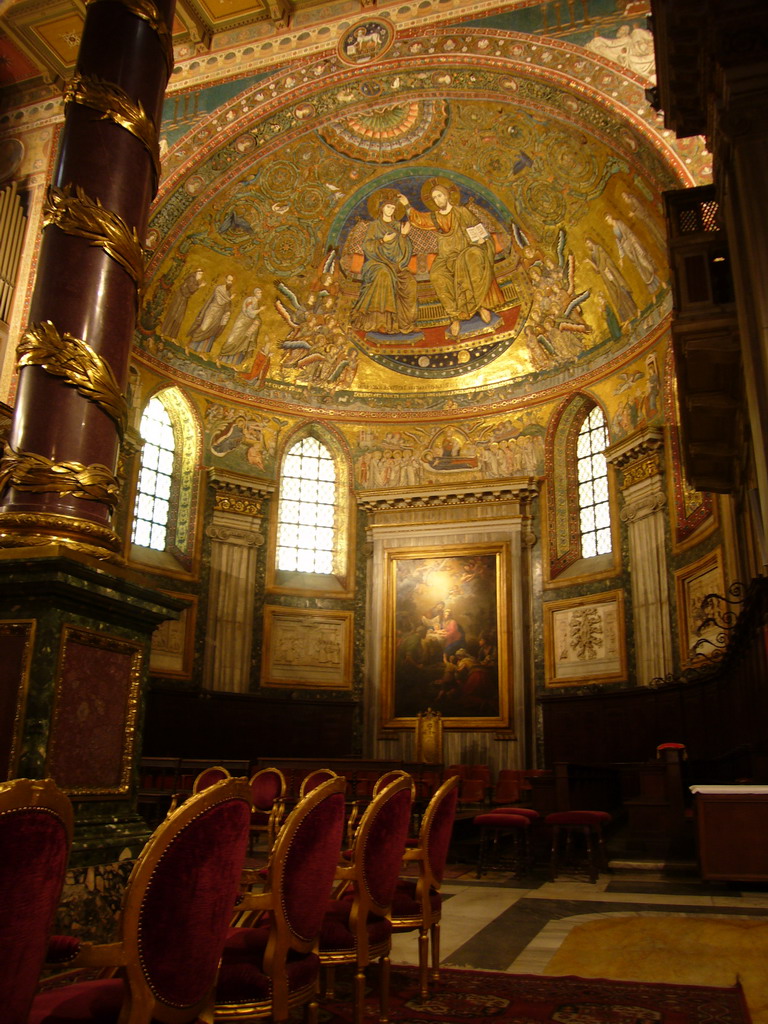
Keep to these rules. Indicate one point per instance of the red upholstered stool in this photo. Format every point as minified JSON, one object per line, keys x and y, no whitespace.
{"x":589,"y":826}
{"x":527,"y":812}
{"x":494,"y":826}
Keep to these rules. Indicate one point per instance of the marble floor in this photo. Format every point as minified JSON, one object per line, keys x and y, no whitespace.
{"x":503,"y":923}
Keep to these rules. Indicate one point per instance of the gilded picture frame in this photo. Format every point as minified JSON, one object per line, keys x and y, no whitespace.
{"x":700,"y":590}
{"x":584,"y":640}
{"x":307,"y":648}
{"x":446,"y":644}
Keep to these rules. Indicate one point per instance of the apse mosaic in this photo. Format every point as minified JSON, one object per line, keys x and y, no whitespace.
{"x":472,"y":246}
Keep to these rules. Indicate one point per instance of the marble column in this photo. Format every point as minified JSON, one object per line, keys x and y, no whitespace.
{"x":639,"y":458}
{"x":236,"y":536}
{"x":58,"y":477}
{"x":76,"y":623}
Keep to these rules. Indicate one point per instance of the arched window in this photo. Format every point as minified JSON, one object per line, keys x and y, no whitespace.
{"x":592,"y":476}
{"x":579,"y":525}
{"x":306,"y":516}
{"x":312,"y":526}
{"x":165,"y":510}
{"x":153,"y":494}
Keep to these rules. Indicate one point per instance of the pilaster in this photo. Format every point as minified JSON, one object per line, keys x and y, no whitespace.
{"x":639,"y":459}
{"x":236,"y":532}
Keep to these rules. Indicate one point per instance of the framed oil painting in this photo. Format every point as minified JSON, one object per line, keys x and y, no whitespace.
{"x":446,"y":642}
{"x":307,"y":648}
{"x":584,"y":640}
{"x":701,"y":609}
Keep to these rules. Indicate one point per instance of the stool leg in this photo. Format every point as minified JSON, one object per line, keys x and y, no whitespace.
{"x":601,"y":848}
{"x":553,"y":853}
{"x":481,"y":853}
{"x":591,"y":854}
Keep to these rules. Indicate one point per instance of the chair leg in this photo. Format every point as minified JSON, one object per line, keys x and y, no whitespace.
{"x":384,"y":965}
{"x":435,"y":934}
{"x":423,"y":962}
{"x":311,"y":1011}
{"x":358,"y":995}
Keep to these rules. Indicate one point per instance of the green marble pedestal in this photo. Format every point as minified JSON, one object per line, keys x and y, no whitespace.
{"x":75,"y":635}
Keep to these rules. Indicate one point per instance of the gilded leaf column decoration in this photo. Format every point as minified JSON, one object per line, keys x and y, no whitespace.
{"x":78,"y":364}
{"x":640,"y":460}
{"x":59,"y":478}
{"x":113,"y":103}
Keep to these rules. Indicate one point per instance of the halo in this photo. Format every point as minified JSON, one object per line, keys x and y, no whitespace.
{"x":385,"y":195}
{"x":449,"y":187}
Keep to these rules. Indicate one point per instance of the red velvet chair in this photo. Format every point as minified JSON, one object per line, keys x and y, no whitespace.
{"x":35,"y":838}
{"x":494,"y":826}
{"x":208,"y":776}
{"x":176,"y":914}
{"x":357,"y":928}
{"x":391,"y":776}
{"x":417,"y":902}
{"x":313,"y":779}
{"x":379,"y":783}
{"x":507,"y":789}
{"x":272,"y":967}
{"x":268,"y":796}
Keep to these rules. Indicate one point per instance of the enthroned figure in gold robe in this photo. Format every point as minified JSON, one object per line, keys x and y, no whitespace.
{"x":462,"y":272}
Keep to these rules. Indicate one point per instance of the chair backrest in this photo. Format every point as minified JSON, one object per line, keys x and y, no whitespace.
{"x":267,"y":787}
{"x":208,"y":776}
{"x":388,"y":777}
{"x":36,"y":823}
{"x":314,"y":778}
{"x":303,"y":864}
{"x":472,"y":791}
{"x":180,"y":898}
{"x":379,"y":846}
{"x":436,"y":828}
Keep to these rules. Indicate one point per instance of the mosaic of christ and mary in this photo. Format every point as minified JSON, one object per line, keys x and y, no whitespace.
{"x":448,"y":241}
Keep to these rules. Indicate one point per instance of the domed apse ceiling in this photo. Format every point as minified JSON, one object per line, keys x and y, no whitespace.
{"x":301,"y":252}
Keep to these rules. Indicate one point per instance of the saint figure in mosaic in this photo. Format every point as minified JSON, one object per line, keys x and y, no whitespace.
{"x":387,"y":299}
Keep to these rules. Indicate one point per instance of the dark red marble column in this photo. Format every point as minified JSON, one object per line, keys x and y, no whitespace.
{"x":58,"y":478}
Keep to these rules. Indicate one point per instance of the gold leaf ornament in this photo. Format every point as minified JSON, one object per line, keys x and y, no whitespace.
{"x":116,"y":105}
{"x":30,"y":471}
{"x":71,"y":210}
{"x":66,"y":356}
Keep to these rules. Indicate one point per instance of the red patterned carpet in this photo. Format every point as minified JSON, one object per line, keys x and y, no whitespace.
{"x":463,"y":996}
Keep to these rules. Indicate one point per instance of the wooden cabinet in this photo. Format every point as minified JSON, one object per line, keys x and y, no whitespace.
{"x":732,"y":832}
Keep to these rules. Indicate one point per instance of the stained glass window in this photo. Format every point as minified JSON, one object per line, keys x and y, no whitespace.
{"x":153,"y":494}
{"x":306,"y":516}
{"x":592,"y":476}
